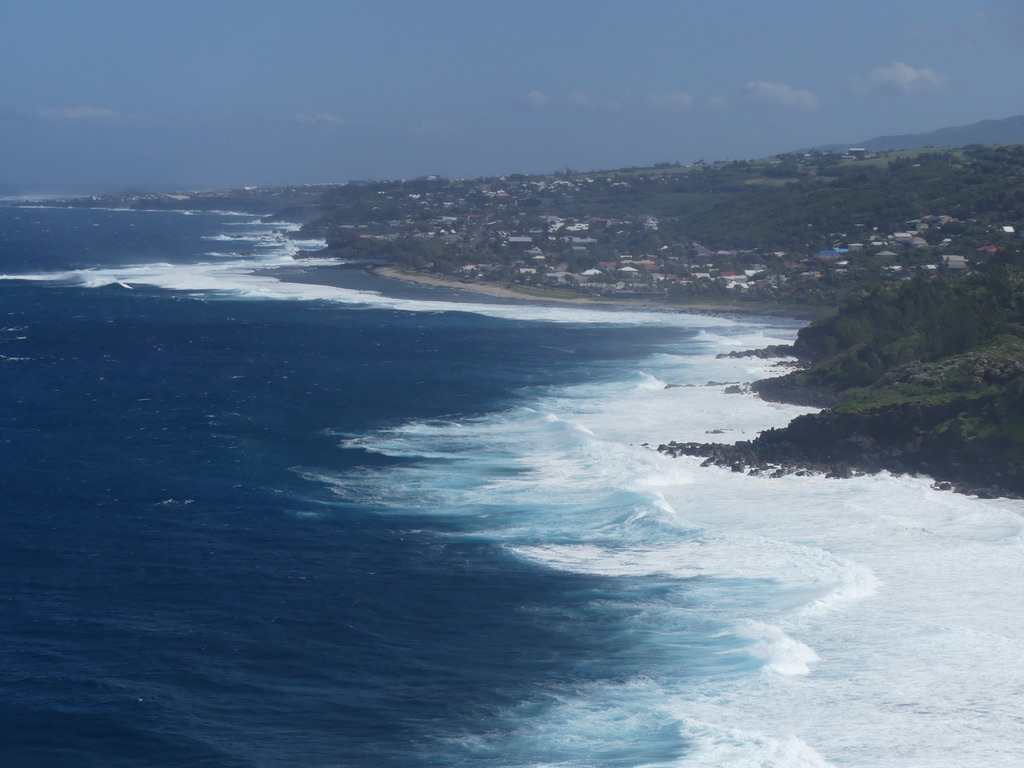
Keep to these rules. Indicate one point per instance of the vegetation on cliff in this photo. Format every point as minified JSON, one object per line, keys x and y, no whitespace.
{"x":798,"y":229}
{"x":820,"y":203}
{"x":917,"y":321}
{"x":928,"y":376}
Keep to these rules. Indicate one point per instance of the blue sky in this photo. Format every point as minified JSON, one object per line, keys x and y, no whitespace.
{"x":106,"y":94}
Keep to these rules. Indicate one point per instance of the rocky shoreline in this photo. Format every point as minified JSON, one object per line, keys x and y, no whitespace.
{"x":902,"y":439}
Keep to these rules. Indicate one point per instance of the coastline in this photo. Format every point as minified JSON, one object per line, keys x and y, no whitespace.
{"x":488,"y":289}
{"x":497,"y":291}
{"x":750,"y":620}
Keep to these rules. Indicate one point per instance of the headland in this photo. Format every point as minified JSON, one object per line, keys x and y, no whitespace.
{"x":914,"y":378}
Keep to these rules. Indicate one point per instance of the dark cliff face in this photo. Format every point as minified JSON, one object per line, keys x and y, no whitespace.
{"x":910,"y":439}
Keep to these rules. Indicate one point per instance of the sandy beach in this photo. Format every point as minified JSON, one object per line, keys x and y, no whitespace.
{"x":342,"y":276}
{"x":499,"y":291}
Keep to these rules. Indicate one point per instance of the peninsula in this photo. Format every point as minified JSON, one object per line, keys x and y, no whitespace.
{"x":921,"y":377}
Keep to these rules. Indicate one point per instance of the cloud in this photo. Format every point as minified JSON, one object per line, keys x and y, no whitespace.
{"x":84,"y":114}
{"x":538,"y":99}
{"x":431,"y":128}
{"x":899,"y":78}
{"x":673,"y":102}
{"x":583,"y":100}
{"x":320,"y":119}
{"x":781,"y":95}
{"x":719,"y":103}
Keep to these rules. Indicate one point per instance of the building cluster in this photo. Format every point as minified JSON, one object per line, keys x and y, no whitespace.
{"x":503,"y":231}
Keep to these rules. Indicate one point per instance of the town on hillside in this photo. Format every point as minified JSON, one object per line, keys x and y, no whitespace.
{"x":799,"y":229}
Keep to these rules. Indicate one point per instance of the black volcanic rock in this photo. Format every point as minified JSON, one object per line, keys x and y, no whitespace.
{"x":900,"y":439}
{"x":767,"y":353}
{"x":921,"y":377}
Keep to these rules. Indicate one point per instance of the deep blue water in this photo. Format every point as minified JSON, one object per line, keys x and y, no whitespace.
{"x":180,"y":590}
{"x":260,"y":511}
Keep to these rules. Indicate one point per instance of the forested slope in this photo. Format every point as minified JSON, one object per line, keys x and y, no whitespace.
{"x":928,"y":376}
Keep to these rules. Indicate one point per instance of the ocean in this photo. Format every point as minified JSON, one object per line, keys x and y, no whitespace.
{"x":260,"y":511}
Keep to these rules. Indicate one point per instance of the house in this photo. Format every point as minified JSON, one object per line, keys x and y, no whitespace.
{"x":735,"y":282}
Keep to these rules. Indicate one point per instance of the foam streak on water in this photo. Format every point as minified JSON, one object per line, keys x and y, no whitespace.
{"x":790,"y":622}
{"x":737,"y":621}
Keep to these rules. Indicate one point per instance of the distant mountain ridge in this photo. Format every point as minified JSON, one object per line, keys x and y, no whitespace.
{"x":1008,"y":130}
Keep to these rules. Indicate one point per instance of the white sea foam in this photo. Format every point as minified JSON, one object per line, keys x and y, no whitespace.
{"x":250,"y":222}
{"x":736,"y":748}
{"x":781,"y":652}
{"x":239,"y":277}
{"x":249,"y":276}
{"x":862,"y":622}
{"x":230,"y":274}
{"x":233,"y":275}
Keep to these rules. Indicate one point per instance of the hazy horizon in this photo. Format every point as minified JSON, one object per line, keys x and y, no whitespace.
{"x":112,"y":95}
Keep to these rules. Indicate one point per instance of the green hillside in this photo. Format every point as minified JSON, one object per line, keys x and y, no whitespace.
{"x":929,"y":377}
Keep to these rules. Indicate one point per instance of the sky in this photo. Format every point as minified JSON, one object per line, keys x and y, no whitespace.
{"x":106,"y":95}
